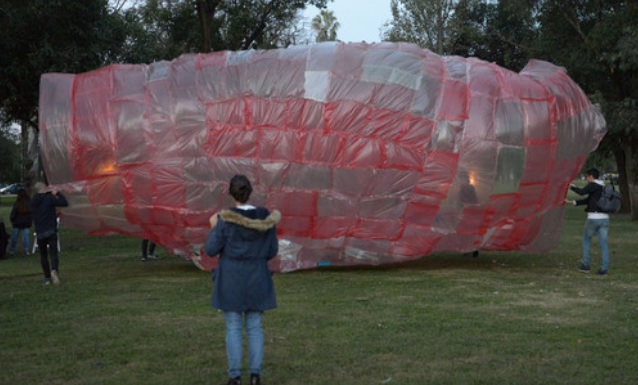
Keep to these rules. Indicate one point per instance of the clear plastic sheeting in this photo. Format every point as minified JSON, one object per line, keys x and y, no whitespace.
{"x":373,"y":154}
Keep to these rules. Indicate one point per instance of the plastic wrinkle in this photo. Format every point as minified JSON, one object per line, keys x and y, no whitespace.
{"x":370,"y":152}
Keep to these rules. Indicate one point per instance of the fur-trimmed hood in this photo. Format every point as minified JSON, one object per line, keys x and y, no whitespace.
{"x":261,"y":225}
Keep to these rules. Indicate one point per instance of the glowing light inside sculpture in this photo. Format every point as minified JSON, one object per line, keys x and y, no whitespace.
{"x":373,"y":153}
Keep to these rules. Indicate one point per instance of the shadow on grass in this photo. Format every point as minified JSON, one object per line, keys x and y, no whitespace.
{"x":432,"y":262}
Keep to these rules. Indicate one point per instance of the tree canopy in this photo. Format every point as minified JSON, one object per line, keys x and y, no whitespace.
{"x":9,"y":156}
{"x":75,"y":36}
{"x":325,"y":25}
{"x":595,"y":40}
{"x":40,"y":36}
{"x":49,"y":36}
{"x":424,"y":22}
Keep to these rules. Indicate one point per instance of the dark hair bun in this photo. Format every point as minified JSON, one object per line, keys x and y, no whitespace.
{"x":240,"y":188}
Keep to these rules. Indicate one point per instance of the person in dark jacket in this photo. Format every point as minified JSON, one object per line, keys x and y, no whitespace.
{"x":597,"y":222}
{"x":4,"y":239}
{"x":45,"y":218}
{"x":245,"y":238}
{"x":21,"y":221}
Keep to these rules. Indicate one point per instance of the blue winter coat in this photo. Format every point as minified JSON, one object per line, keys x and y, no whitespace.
{"x":245,"y":240}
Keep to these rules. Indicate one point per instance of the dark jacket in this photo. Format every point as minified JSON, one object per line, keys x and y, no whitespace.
{"x":44,"y":215}
{"x":593,"y":190}
{"x":245,"y":240}
{"x":20,"y":221}
{"x":4,"y":240}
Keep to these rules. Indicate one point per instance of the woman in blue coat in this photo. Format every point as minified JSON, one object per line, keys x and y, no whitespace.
{"x":245,"y":238}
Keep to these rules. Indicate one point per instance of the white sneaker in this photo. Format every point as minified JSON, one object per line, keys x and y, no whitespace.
{"x":55,"y":278}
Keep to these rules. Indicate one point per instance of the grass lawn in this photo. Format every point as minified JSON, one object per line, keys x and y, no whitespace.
{"x":501,"y":318}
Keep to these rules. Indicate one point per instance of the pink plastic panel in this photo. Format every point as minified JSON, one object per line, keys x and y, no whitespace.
{"x":373,"y":153}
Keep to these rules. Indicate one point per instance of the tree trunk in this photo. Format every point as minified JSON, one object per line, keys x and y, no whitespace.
{"x":24,"y":156}
{"x":440,"y":28}
{"x":632,"y":178}
{"x":206,"y":11}
{"x":32,"y":164}
{"x":203,"y":21}
{"x":621,"y":164}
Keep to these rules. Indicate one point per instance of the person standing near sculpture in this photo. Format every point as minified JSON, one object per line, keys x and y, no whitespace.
{"x":21,"y":221}
{"x":45,"y":218}
{"x":245,"y":238}
{"x":597,"y":221}
{"x":148,"y":250}
{"x":4,"y":239}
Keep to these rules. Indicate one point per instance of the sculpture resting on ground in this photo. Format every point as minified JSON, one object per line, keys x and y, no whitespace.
{"x":373,"y":153}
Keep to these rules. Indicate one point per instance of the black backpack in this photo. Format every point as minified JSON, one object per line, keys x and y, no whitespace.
{"x":609,"y":201}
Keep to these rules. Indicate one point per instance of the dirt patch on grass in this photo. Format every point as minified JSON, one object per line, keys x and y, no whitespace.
{"x":552,"y":300}
{"x":556,"y":308}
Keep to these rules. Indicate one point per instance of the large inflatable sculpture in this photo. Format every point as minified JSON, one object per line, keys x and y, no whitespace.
{"x":372,"y":153}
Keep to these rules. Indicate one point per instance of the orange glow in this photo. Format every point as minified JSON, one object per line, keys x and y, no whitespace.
{"x":107,"y":167}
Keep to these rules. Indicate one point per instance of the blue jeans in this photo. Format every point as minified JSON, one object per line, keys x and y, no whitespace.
{"x":234,"y":328}
{"x":25,"y":239}
{"x":600,"y":227}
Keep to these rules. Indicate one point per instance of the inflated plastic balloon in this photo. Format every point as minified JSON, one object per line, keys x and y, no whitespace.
{"x":372,"y":153}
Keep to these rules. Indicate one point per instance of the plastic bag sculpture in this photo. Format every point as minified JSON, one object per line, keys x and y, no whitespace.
{"x":373,"y":153}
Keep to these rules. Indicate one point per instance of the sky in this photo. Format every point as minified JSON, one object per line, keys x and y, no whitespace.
{"x":360,"y":20}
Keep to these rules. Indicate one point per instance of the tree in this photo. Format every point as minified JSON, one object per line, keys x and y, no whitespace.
{"x":596,"y":41}
{"x":325,"y":25}
{"x":244,"y":24}
{"x":287,"y":34}
{"x":502,"y":32}
{"x":469,"y":28}
{"x":497,"y":31}
{"x":48,"y":36}
{"x":78,"y":36}
{"x":161,"y":30}
{"x":9,"y":156}
{"x":424,"y":22}
{"x":167,"y":25}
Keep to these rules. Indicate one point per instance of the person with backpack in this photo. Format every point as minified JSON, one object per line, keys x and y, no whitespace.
{"x":597,"y":220}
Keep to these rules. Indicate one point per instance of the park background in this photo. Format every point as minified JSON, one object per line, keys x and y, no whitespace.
{"x":502,"y":318}
{"x":596,"y":41}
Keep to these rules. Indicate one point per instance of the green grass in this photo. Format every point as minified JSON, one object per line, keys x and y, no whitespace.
{"x":501,"y":318}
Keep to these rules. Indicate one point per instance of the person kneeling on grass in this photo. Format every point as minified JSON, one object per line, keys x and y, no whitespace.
{"x":45,"y":218}
{"x":245,"y":237}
